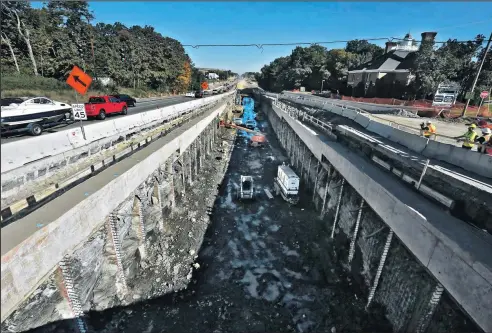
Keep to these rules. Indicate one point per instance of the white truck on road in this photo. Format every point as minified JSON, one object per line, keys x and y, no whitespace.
{"x":286,"y":184}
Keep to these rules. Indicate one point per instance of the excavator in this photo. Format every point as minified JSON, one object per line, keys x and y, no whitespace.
{"x":256,"y":140}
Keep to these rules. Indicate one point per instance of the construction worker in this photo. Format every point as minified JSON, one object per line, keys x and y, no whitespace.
{"x":468,"y":138}
{"x":428,"y":130}
{"x":484,"y":140}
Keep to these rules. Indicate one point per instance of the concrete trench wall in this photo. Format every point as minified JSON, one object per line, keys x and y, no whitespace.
{"x":365,"y":245}
{"x":144,"y":249}
{"x":470,"y":203}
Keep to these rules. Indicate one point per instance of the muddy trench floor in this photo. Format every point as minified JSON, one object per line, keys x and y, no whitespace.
{"x":258,"y":270}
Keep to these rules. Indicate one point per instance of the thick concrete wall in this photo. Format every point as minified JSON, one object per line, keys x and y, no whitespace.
{"x":27,"y":265}
{"x":448,"y":248}
{"x":480,"y":164}
{"x":357,"y":241}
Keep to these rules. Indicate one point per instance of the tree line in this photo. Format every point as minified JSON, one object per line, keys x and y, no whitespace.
{"x":432,"y":64}
{"x":48,"y":41}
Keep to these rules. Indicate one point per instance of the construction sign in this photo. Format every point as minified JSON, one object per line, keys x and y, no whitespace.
{"x":79,"y":80}
{"x":204,"y":85}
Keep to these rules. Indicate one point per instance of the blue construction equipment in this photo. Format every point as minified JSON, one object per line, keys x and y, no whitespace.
{"x":248,"y":116}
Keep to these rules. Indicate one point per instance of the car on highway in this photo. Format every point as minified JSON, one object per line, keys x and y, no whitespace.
{"x":199,"y":94}
{"x":32,"y":115}
{"x":130,"y":101}
{"x":100,"y":106}
{"x":190,"y":94}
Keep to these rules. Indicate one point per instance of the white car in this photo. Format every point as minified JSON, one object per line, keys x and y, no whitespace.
{"x":190,"y":94}
{"x":32,"y":114}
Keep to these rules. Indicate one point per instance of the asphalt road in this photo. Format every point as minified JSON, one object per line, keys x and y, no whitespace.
{"x":141,"y":106}
{"x":372,"y":108}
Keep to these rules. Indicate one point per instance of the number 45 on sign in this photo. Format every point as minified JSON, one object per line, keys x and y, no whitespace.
{"x":78,"y":111}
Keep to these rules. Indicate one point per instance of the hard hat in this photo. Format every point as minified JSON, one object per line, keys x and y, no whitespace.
{"x":429,"y":122}
{"x":486,"y":130}
{"x":472,"y":126}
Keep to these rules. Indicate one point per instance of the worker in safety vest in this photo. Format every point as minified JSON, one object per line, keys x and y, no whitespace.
{"x":428,"y":130}
{"x":484,"y":140}
{"x":468,"y":138}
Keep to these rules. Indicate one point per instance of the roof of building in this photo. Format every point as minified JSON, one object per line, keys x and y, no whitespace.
{"x":393,"y":60}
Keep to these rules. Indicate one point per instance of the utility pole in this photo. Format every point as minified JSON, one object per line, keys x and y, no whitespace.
{"x":478,"y":74}
{"x":321,"y":91}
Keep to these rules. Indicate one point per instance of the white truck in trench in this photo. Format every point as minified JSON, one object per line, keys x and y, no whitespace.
{"x":286,"y":184}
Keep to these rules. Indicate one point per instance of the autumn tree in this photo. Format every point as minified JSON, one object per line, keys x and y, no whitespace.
{"x":50,"y":40}
{"x":184,"y":79}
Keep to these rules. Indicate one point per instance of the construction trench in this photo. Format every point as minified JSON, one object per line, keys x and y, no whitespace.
{"x":327,"y":264}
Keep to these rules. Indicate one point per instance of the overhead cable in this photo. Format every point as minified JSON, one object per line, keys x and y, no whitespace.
{"x":260,"y":46}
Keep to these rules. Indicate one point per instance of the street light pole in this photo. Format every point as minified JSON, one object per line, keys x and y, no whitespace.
{"x":478,"y":74}
{"x":321,"y":91}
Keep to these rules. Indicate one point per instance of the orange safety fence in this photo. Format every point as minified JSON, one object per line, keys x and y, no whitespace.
{"x":425,"y":106}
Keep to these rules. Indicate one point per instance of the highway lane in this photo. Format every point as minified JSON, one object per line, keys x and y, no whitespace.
{"x":141,"y":106}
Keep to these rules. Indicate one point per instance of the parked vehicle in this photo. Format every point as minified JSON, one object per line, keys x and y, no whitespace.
{"x":130,"y":101}
{"x":286,"y":184}
{"x":246,"y":188}
{"x":238,"y":121}
{"x":32,"y":115}
{"x":100,"y":106}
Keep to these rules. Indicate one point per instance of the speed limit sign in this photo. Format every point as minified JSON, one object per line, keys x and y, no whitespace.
{"x":78,"y":111}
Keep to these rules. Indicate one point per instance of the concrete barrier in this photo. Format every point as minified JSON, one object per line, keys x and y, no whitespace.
{"x":380,"y":129}
{"x":437,"y":150}
{"x":409,"y":140}
{"x":485,"y":162}
{"x":458,"y":155}
{"x":336,"y":109}
{"x":470,"y":161}
{"x":362,"y":120}
{"x":348,"y":113}
{"x":18,"y":153}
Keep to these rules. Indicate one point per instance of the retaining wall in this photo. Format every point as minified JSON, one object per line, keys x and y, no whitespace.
{"x":448,"y":248}
{"x":31,"y":262}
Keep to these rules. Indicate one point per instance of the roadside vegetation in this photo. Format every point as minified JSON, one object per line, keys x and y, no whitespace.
{"x":453,"y":61}
{"x":39,"y":47}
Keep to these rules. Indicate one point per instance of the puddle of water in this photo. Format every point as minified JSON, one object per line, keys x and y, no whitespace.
{"x":259,"y":254}
{"x":228,"y":200}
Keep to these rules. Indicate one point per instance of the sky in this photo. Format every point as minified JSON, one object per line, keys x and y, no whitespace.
{"x":291,"y":22}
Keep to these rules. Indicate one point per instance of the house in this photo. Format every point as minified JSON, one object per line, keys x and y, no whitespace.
{"x":105,"y":81}
{"x":213,"y":76}
{"x":394,"y":64}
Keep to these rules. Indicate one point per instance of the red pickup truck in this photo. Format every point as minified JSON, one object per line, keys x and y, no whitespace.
{"x":100,"y":106}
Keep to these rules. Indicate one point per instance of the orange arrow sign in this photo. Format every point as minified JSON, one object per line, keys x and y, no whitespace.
{"x":204,"y":85}
{"x":79,"y":80}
